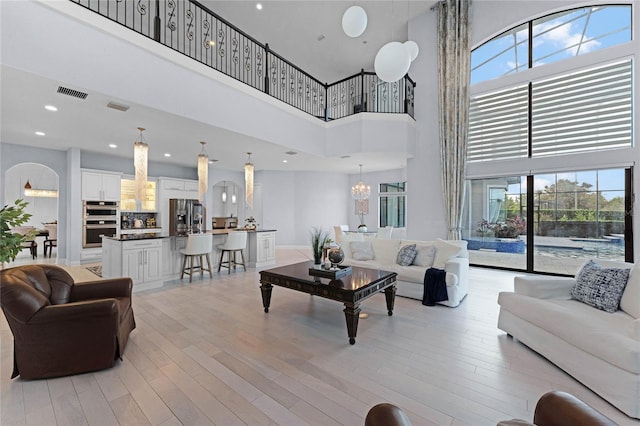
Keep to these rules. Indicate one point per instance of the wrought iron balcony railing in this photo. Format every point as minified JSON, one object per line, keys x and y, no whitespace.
{"x":193,"y":30}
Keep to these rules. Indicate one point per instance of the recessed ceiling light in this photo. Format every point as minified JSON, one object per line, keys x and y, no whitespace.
{"x":113,"y":145}
{"x":284,"y":161}
{"x":40,"y":133}
{"x":166,"y":154}
{"x":50,"y":108}
{"x":259,"y":6}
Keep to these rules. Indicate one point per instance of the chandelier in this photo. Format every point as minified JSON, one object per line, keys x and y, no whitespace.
{"x":203,"y":172}
{"x":360,"y":191}
{"x":140,"y":160}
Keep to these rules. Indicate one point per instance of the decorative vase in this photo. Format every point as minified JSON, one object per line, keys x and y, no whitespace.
{"x":362,"y":228}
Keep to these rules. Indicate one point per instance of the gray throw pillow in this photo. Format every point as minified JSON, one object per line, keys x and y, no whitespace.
{"x":600,"y":287}
{"x":406,"y":255}
{"x":361,"y":250}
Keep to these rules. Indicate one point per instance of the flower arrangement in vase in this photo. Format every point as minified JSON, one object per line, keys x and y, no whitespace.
{"x":250,"y":223}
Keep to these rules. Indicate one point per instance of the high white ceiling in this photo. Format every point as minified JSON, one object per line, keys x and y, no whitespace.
{"x":292,"y":29}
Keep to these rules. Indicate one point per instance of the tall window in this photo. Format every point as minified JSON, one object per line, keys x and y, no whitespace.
{"x":558,"y":85}
{"x":393,"y":204}
{"x":587,"y":110}
{"x":553,"y":37}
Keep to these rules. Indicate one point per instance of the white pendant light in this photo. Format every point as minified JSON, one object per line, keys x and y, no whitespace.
{"x":224,"y":192}
{"x":392,"y":62}
{"x":412,"y":48}
{"x":203,"y":172}
{"x":354,"y":21}
{"x":248,"y":180}
{"x":140,"y":161}
{"x":233,"y":196}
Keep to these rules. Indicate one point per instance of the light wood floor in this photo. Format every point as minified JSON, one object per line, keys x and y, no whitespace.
{"x":206,"y":353}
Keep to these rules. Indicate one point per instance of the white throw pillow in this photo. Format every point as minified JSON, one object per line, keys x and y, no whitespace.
{"x":385,"y":251}
{"x":361,"y":250}
{"x":346,"y":240}
{"x":425,"y":256}
{"x":444,"y":252}
{"x":630,"y":302}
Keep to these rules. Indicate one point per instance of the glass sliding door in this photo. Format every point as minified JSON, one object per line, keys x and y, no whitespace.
{"x":575,"y":216}
{"x":578,"y":216}
{"x":495,"y":222}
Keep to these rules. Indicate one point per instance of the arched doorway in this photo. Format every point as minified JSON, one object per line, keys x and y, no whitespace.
{"x":38,"y":185}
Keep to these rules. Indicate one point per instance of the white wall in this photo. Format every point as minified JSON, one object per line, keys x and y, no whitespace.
{"x":426,"y":219}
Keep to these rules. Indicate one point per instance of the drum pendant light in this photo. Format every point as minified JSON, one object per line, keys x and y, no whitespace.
{"x":140,"y":160}
{"x":203,"y":172}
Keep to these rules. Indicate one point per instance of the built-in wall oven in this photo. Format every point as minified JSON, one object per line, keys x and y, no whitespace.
{"x":100,"y":218}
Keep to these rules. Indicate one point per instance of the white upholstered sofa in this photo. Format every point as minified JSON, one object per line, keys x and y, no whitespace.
{"x":598,"y":348}
{"x":452,"y":256}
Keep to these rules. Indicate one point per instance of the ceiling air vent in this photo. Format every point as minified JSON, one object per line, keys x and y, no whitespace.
{"x":118,"y":107}
{"x":71,"y":92}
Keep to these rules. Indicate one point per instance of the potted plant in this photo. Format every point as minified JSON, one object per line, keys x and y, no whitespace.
{"x":11,"y":243}
{"x":318,"y":238}
{"x":512,"y":228}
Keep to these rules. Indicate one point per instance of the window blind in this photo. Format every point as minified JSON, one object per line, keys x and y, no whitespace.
{"x":584,"y":111}
{"x":498,"y":125}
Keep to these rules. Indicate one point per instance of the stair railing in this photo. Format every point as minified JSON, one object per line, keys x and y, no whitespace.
{"x":190,"y":28}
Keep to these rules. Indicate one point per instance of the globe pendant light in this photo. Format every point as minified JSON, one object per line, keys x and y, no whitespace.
{"x":203,"y":172}
{"x":392,"y":62}
{"x":354,"y":21}
{"x":412,"y":48}
{"x":140,"y":160}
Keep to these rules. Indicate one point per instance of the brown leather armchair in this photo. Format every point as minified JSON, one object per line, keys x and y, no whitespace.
{"x":60,"y":327}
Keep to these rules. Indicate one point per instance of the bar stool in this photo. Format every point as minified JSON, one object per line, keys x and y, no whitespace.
{"x":198,"y":245}
{"x":236,"y":242}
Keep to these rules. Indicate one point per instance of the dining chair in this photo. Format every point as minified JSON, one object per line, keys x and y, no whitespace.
{"x":51,"y":239}
{"x":31,"y":243}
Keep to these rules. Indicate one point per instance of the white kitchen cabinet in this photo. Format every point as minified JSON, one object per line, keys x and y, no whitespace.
{"x":98,"y":186}
{"x":171,"y":256}
{"x":262,"y":248}
{"x":139,"y":259}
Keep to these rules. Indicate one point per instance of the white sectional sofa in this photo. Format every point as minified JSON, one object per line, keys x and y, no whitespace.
{"x":598,"y":348}
{"x":452,"y":256}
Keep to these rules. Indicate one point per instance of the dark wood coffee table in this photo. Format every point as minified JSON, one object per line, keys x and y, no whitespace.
{"x":352,"y":289}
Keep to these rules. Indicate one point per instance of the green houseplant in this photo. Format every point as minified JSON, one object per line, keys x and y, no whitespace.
{"x":10,"y":243}
{"x":512,"y":228}
{"x":318,"y":238}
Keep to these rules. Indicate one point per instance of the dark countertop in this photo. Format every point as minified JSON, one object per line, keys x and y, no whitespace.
{"x":133,"y":237}
{"x":156,"y":235}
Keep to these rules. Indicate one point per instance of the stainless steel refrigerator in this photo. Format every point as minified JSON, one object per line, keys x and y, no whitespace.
{"x":186,"y":216}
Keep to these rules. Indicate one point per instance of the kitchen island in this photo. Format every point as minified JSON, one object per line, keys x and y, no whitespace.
{"x":152,"y":258}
